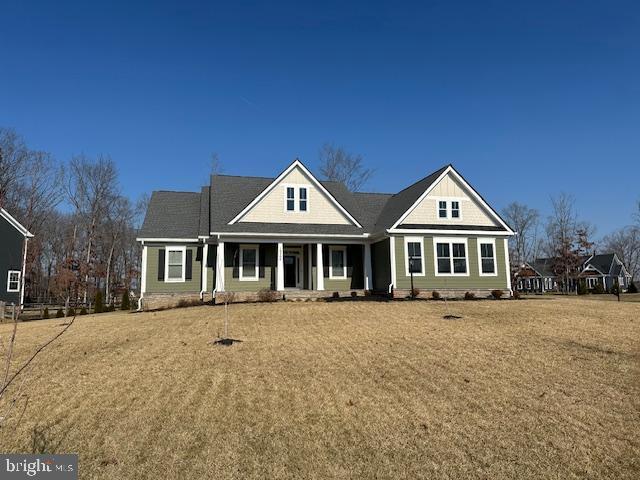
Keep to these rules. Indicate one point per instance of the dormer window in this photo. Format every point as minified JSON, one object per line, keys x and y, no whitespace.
{"x":291,"y":199}
{"x":303,"y":199}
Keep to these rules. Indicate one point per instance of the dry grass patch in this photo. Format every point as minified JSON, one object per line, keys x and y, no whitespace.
{"x":527,"y":389}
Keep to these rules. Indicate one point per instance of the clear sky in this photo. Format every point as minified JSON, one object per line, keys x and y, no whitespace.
{"x":525,"y":99}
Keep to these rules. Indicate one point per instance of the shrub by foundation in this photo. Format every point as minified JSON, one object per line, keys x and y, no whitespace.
{"x":469,"y":296}
{"x":267,"y":295}
{"x":497,"y":294}
{"x":435,"y":295}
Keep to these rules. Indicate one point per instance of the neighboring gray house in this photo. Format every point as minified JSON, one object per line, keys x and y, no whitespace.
{"x":303,"y":237}
{"x":14,"y":239}
{"x":603,"y":269}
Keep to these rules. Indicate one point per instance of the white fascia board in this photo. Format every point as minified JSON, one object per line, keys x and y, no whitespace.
{"x":296,"y":235}
{"x":489,"y":233}
{"x":15,"y":223}
{"x":168,"y":240}
{"x":473,"y":192}
{"x":296,"y":164}
{"x":290,"y":238}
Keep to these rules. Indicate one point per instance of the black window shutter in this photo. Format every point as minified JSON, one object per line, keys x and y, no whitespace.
{"x":188,"y":275}
{"x":161,"y":254}
{"x":199,"y":254}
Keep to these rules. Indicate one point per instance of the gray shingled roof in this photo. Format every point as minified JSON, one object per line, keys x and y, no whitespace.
{"x":399,"y":203}
{"x":231,"y":194}
{"x":172,"y":215}
{"x":602,"y":262}
{"x":190,"y":214}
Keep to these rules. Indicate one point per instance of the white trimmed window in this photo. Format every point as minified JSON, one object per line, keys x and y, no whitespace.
{"x":174,"y":270}
{"x":338,"y":262}
{"x":487,"y":257}
{"x":249,"y":262}
{"x":455,"y":209}
{"x":451,"y":257}
{"x":303,"y":200}
{"x":291,"y":199}
{"x":414,"y":256}
{"x":13,"y":281}
{"x":442,"y":209}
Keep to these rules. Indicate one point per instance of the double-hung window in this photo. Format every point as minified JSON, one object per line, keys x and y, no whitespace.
{"x":487,"y":256}
{"x":451,"y":257}
{"x":291,"y":199}
{"x":338,"y":262}
{"x":175,"y":267}
{"x":414,"y":256}
{"x":303,"y":199}
{"x":442,"y":209}
{"x":249,"y":269}
{"x":13,"y":281}
{"x":455,"y":209}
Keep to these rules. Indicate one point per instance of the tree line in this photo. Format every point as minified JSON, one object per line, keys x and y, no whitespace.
{"x":84,"y":227}
{"x":566,"y":239}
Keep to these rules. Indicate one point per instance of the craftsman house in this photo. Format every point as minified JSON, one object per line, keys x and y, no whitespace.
{"x":303,"y":237}
{"x":13,"y":252}
{"x":602,"y":270}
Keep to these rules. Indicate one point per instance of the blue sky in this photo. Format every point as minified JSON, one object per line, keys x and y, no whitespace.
{"x":525,"y":99}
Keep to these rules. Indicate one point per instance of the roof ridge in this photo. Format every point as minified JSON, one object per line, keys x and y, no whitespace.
{"x":424,"y":178}
{"x":242,"y":176}
{"x":176,"y":191}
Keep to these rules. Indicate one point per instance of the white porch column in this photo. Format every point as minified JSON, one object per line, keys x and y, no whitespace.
{"x":392,"y":257}
{"x":280,"y":268}
{"x":368,"y":278}
{"x":205,"y":255}
{"x":220,"y":267}
{"x":143,"y":277}
{"x":319,"y":268}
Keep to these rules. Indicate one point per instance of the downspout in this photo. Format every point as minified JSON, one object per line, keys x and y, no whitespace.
{"x":24,"y":268}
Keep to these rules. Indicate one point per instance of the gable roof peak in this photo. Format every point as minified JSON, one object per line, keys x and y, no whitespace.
{"x":15,"y":223}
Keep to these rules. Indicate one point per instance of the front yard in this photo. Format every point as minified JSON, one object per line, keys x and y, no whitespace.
{"x":539,"y":388}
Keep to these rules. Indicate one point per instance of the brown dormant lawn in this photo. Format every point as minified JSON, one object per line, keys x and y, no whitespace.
{"x":540,"y":388}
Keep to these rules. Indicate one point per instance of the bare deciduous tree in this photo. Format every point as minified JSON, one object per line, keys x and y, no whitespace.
{"x":216,"y":164}
{"x":524,"y":221}
{"x":561,"y":230}
{"x":91,"y":189}
{"x":625,"y":242}
{"x":339,"y":165}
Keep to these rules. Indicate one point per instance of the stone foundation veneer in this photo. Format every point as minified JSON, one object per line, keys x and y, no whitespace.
{"x":449,"y":293}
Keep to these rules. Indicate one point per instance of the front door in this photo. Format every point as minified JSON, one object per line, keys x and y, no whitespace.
{"x":290,"y":271}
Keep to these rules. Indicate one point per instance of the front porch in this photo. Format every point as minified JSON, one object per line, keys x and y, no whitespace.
{"x":293,"y":269}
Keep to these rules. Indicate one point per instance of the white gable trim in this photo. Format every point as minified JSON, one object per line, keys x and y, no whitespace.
{"x":296,"y":164}
{"x":16,"y":224}
{"x":475,"y":194}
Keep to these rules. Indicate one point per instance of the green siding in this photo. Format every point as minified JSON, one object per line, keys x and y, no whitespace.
{"x":188,"y":286}
{"x":430,"y":281}
{"x":268,"y":260}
